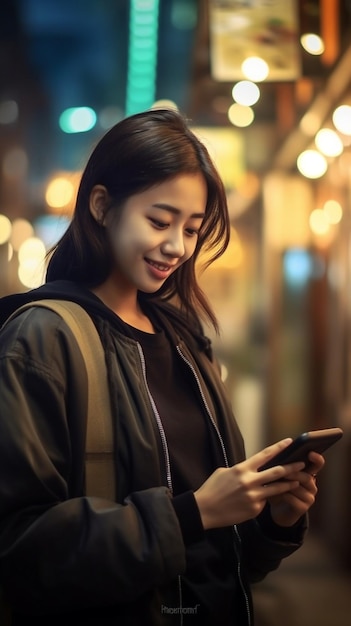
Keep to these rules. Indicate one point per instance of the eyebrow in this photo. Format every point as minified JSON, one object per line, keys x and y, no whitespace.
{"x":173,"y":209}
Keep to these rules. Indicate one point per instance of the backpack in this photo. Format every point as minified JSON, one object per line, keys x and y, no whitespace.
{"x":99,"y":458}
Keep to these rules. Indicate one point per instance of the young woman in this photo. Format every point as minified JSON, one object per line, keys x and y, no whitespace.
{"x":193,"y":523}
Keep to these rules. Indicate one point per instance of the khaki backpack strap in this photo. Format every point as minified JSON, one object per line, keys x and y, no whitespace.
{"x":99,"y":452}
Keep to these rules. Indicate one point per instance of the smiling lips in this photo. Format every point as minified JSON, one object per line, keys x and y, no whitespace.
{"x":159,"y":266}
{"x":160,"y":270}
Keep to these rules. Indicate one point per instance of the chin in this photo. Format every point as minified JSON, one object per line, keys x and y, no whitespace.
{"x":149,"y":291}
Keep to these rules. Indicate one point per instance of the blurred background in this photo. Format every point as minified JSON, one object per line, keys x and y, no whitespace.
{"x":267,"y":86}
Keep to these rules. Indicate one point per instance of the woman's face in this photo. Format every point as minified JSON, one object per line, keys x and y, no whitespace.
{"x":157,"y":231}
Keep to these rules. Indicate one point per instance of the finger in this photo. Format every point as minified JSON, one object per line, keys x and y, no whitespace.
{"x":305,"y":479}
{"x":303,"y":496}
{"x":307,"y":486}
{"x":317,"y":462}
{"x":280,"y":472}
{"x":260,"y":458}
{"x":299,"y":504}
{"x":278,"y":488}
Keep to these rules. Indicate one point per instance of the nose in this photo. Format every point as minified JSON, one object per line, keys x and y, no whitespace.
{"x":174,"y":243}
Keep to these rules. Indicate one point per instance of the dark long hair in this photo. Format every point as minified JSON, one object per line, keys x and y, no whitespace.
{"x":139,"y":152}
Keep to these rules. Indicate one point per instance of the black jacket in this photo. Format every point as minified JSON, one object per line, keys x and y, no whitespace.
{"x":69,"y":558}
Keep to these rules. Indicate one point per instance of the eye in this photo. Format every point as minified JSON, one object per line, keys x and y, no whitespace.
{"x":192,"y":232}
{"x":158,"y":224}
{"x":194,"y":228}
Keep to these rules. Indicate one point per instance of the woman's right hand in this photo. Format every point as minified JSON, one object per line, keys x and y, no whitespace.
{"x":232,"y":495}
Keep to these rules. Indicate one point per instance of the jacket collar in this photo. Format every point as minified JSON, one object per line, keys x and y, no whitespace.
{"x":162,"y":314}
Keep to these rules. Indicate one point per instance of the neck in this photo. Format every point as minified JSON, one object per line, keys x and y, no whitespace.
{"x":126,"y":307}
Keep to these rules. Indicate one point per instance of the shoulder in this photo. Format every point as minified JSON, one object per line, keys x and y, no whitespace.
{"x":34,"y":321}
{"x":40,"y":339}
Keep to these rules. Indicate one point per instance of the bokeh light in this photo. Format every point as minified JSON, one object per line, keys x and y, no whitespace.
{"x":329,"y":142}
{"x":333,"y":211}
{"x":342,"y":119}
{"x":77,"y":120}
{"x":312,"y":43}
{"x":246,"y":92}
{"x":255,"y":69}
{"x":60,"y":192}
{"x":240,"y":115}
{"x":312,"y":164}
{"x":31,"y":257}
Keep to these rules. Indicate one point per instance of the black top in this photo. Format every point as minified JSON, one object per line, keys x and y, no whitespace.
{"x":182,"y":415}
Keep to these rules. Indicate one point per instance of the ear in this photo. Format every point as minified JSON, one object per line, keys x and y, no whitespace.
{"x":98,"y":203}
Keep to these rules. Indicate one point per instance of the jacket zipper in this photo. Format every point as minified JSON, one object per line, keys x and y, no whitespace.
{"x":247,"y":604}
{"x":166,"y":458}
{"x":220,"y":438}
{"x":158,"y":422}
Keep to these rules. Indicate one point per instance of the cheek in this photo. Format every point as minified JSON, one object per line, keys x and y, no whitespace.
{"x":123,"y":245}
{"x":128,"y":241}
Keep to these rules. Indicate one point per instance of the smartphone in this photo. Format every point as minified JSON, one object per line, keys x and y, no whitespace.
{"x":298,"y":450}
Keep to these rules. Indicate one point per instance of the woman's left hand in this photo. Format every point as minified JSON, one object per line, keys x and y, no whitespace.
{"x":286,"y":509}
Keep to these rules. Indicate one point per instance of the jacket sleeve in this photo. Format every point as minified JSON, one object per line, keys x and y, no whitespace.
{"x":55,"y":549}
{"x":265,"y":545}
